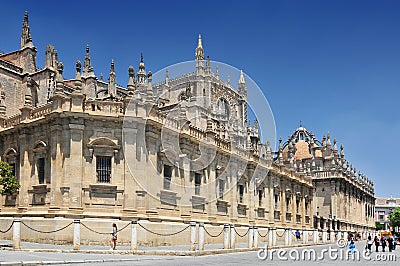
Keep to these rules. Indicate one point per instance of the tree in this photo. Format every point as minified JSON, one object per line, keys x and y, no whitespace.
{"x":394,"y":218}
{"x":7,"y":180}
{"x":378,"y":226}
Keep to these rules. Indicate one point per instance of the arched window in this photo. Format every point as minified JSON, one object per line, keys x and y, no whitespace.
{"x":223,"y":107}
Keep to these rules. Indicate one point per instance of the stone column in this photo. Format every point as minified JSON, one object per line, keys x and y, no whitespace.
{"x":271,"y":237}
{"x":315,"y":237}
{"x":17,"y":234}
{"x":74,"y":173}
{"x":233,"y":236}
{"x":324,"y":236}
{"x":192,"y":236}
{"x":305,"y":236}
{"x":332,"y":236}
{"x":25,"y":167}
{"x":134,"y":235}
{"x":255,"y":237}
{"x":56,"y":170}
{"x":226,"y":236}
{"x":201,"y":236}
{"x":250,"y":236}
{"x":286,"y":235}
{"x":77,"y":234}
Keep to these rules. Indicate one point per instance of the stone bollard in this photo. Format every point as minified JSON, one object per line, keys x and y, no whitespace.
{"x":274,"y":237}
{"x":305,"y":236}
{"x":324,"y":236}
{"x":286,"y":235}
{"x":192,"y":236}
{"x":134,"y":235}
{"x":270,"y":236}
{"x":290,"y":235}
{"x":332,"y":236}
{"x":255,"y":237}
{"x":315,"y":237}
{"x":251,"y":236}
{"x":233,"y":236}
{"x":77,"y":234}
{"x":17,"y":234}
{"x":345,"y":235}
{"x":226,"y":236}
{"x":201,"y":236}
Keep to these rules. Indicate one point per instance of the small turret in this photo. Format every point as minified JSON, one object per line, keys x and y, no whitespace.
{"x":131,"y":81}
{"x":141,"y":75}
{"x":26,"y":39}
{"x":88,"y":70}
{"x":78,"y":80}
{"x":112,"y":81}
{"x":60,"y":79}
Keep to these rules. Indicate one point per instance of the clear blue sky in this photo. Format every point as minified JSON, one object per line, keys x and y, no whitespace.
{"x":335,"y":65}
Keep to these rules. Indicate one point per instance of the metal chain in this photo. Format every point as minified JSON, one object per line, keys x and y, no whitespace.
{"x":282,"y":233}
{"x":265,"y":233}
{"x":119,"y":230}
{"x":248,"y":229}
{"x":94,"y":231}
{"x":159,"y":234}
{"x":208,"y":233}
{"x":47,"y":232}
{"x":1,"y":231}
{"x":310,"y":234}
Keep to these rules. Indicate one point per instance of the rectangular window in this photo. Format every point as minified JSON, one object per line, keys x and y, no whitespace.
{"x":197,"y":183}
{"x":221,"y":185}
{"x":297,"y":205}
{"x":276,"y":199}
{"x":306,"y":203}
{"x":167,"y":177}
{"x":241,"y":191}
{"x":103,"y":169}
{"x":260,"y":196}
{"x":40,"y":169}
{"x":287,"y":203}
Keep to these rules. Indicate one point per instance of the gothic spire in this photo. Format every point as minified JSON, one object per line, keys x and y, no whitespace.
{"x":241,"y":78}
{"x":131,"y":82}
{"x":78,"y":80}
{"x":87,"y":67}
{"x":112,"y":81}
{"x":141,"y":75}
{"x":199,"y":49}
{"x":242,"y":89}
{"x":166,"y":77}
{"x":26,"y":33}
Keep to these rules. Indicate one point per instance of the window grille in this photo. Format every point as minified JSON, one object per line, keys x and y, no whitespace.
{"x":103,"y":169}
{"x":197,"y":183}
{"x":40,"y":166}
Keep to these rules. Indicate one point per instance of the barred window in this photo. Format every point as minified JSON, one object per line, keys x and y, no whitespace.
{"x":167,"y":177}
{"x":241,"y":191}
{"x":197,"y":183}
{"x":221,"y":187}
{"x":103,"y":169}
{"x":40,"y":168}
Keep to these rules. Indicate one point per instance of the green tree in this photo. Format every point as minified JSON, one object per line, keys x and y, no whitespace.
{"x":8,"y":183}
{"x":394,"y":218}
{"x":378,"y":226}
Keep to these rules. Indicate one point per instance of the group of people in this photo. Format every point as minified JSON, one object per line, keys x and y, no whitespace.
{"x":389,"y":242}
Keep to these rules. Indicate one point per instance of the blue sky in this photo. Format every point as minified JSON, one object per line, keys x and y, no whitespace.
{"x":334,"y":65}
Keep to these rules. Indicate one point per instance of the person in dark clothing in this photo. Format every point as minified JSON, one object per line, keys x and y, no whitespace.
{"x":383,"y":243}
{"x":369,"y":243}
{"x":390,"y":242}
{"x":376,"y":241}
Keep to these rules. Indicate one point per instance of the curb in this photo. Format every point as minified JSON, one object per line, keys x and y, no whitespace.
{"x":146,"y":252}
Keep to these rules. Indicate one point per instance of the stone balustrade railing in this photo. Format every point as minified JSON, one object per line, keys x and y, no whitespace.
{"x":41,"y":111}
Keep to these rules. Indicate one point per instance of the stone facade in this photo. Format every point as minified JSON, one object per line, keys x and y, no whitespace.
{"x":343,"y":197}
{"x":175,"y":151}
{"x":383,"y":208}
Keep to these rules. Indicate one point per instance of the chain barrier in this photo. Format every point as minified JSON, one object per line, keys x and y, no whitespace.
{"x":123,"y":228}
{"x":1,"y":231}
{"x":310,"y":234}
{"x":94,"y":231}
{"x":265,"y":233}
{"x":217,"y":235}
{"x":47,"y":232}
{"x":159,"y":234}
{"x":282,"y":233}
{"x":248,"y":229}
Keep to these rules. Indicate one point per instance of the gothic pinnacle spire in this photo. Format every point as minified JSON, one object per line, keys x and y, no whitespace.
{"x":241,"y":78}
{"x":26,"y":34}
{"x":199,"y":50}
{"x":112,"y":81}
{"x":87,"y":67}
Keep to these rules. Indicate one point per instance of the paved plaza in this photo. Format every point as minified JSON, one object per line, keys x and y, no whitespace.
{"x":8,"y":257}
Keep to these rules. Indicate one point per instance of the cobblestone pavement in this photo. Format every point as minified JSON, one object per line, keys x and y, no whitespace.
{"x":247,"y":258}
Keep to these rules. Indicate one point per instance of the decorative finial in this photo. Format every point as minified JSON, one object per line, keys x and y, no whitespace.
{"x":199,"y":42}
{"x":78,"y":67}
{"x":141,"y":57}
{"x":241,"y":78}
{"x":301,"y":125}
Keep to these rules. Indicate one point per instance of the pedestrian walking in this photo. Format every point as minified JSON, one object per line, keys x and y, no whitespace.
{"x":390,"y":243}
{"x":383,"y":243}
{"x":113,"y":240}
{"x":297,"y":233}
{"x":352,"y":246}
{"x":368,"y":245}
{"x":376,"y":241}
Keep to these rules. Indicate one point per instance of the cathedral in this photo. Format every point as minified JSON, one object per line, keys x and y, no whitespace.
{"x":179,"y":150}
